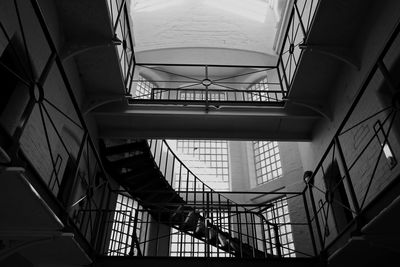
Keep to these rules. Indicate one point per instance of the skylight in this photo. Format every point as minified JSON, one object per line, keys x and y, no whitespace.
{"x":248,"y":25}
{"x":250,"y":9}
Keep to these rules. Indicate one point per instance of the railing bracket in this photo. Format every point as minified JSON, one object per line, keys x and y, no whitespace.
{"x":340,"y":53}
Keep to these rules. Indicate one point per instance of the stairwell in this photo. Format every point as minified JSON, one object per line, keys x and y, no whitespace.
{"x":133,"y":166}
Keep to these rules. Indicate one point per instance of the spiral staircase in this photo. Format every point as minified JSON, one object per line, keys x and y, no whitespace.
{"x":134,"y":167}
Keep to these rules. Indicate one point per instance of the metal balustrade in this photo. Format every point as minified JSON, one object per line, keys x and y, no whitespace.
{"x":299,"y":24}
{"x":359,"y":165}
{"x":133,"y":230}
{"x":51,"y":140}
{"x":300,"y":20}
{"x":216,"y":95}
{"x":59,"y":158}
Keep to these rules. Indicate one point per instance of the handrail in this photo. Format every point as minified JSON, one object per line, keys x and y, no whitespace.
{"x":355,"y":205}
{"x":301,"y":17}
{"x":80,"y":161}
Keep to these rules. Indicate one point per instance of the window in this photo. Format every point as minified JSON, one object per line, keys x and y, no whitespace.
{"x":279,"y":214}
{"x":387,"y":150}
{"x":127,"y":224}
{"x":144,"y":88}
{"x":267,"y":161}
{"x":209,"y":161}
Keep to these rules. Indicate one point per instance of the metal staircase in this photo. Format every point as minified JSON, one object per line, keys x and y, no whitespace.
{"x":147,"y":172}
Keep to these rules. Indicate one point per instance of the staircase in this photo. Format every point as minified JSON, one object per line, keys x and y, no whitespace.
{"x":133,"y":165}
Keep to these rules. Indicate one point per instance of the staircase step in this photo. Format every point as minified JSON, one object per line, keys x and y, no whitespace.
{"x":190,"y":222}
{"x":200,"y":229}
{"x":128,"y":147}
{"x":178,"y":216}
{"x":223,"y":239}
{"x":212,"y":236}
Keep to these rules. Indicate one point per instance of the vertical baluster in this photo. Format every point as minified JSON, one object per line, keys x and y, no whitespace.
{"x":263,"y":240}
{"x":207,"y":216}
{"x":247,"y":230}
{"x":254,"y":234}
{"x":166,"y":165}
{"x":145,"y":244}
{"x":158,"y":231}
{"x":161,"y":152}
{"x":239,"y":223}
{"x":277,"y":241}
{"x":180,"y":177}
{"x":309,"y":223}
{"x":270,"y":240}
{"x":187,"y":185}
{"x":229,"y":226}
{"x":173,"y":171}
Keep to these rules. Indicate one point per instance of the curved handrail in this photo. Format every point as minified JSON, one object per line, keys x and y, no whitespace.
{"x":187,"y":170}
{"x":219,"y":210}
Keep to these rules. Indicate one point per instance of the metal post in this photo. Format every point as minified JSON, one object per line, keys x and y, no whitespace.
{"x":300,"y":21}
{"x":353,"y":195}
{"x":207,"y":108}
{"x":315,"y":216}
{"x":309,"y":224}
{"x":277,"y":241}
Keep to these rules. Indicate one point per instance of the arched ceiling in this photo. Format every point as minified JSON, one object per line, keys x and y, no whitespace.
{"x":176,"y":30}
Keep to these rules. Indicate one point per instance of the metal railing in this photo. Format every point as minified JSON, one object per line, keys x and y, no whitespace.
{"x":280,"y":77}
{"x":139,"y":231}
{"x":120,"y":19}
{"x":299,"y":23}
{"x":359,"y":166}
{"x":202,"y":199}
{"x":50,"y":139}
{"x":216,"y":95}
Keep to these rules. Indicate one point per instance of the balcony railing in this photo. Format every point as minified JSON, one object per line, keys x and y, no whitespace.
{"x":132,"y":230}
{"x":299,"y":23}
{"x":52,"y":142}
{"x":212,"y":96}
{"x":45,"y":133}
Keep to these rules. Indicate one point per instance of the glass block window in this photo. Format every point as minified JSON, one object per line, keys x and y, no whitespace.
{"x":143,"y":88}
{"x":279,"y":214}
{"x":207,"y":159}
{"x":267,"y":161}
{"x":128,"y":221}
{"x":184,"y":245}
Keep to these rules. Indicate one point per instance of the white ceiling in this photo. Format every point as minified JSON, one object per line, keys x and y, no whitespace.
{"x":246,"y":25}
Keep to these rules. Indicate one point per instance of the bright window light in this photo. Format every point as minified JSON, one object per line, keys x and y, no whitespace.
{"x":153,"y":5}
{"x":251,"y":9}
